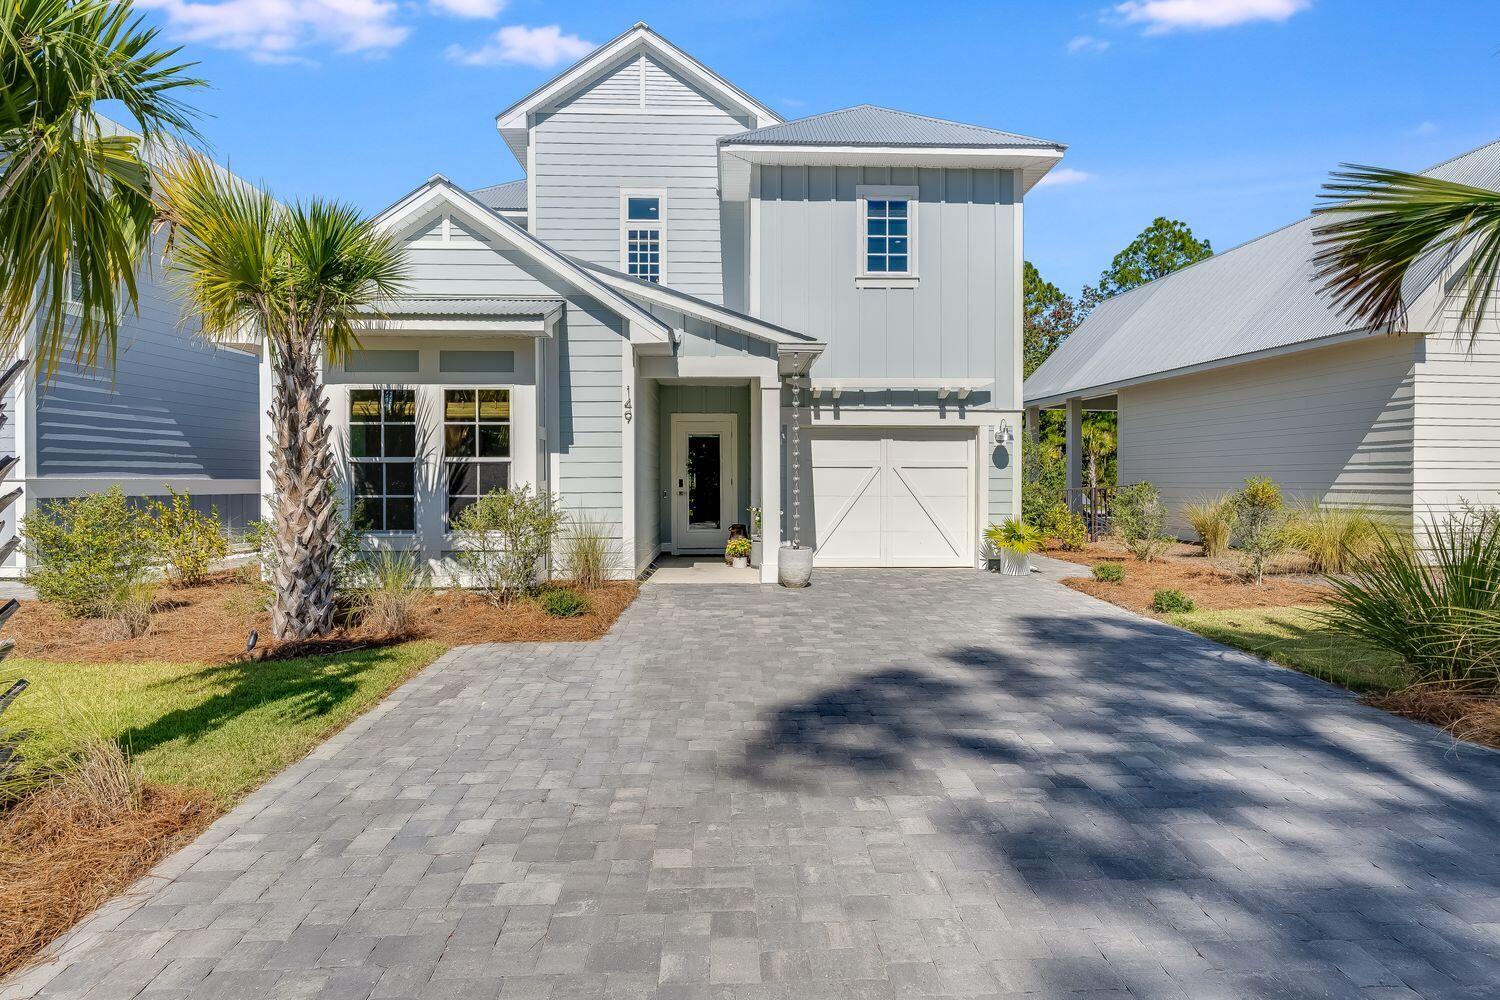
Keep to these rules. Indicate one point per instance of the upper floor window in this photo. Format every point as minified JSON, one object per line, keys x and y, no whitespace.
{"x":642,"y":235}
{"x":887,"y":232}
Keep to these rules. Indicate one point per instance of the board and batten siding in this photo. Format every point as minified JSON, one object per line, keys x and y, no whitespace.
{"x":173,"y":406}
{"x":1457,"y":453}
{"x":959,"y":320}
{"x":1333,"y":425}
{"x":617,"y":135}
{"x":587,"y":357}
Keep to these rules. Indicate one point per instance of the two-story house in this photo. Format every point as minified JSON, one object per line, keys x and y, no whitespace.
{"x":681,"y":278}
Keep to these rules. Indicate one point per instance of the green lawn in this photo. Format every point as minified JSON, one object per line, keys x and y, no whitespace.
{"x":225,"y":728}
{"x":1295,"y":638}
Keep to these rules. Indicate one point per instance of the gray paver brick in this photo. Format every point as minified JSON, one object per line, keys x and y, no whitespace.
{"x":893,"y":784}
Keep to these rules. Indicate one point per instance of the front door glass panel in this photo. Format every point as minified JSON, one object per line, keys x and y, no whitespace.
{"x":703,"y":487}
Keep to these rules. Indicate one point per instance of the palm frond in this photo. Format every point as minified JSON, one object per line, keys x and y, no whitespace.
{"x":1383,"y":221}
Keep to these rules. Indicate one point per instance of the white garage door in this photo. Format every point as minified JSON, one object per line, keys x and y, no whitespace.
{"x":891,"y":497}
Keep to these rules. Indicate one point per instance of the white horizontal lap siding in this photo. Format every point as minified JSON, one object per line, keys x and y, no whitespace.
{"x":1333,"y":425}
{"x":1457,"y":454}
{"x":591,"y":149}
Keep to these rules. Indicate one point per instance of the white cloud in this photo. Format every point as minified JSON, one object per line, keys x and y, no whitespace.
{"x":1425,"y":128}
{"x":1086,"y":43}
{"x":469,"y":8}
{"x":542,"y":47}
{"x":1064,"y":175}
{"x":1161,"y":16}
{"x":277,"y":30}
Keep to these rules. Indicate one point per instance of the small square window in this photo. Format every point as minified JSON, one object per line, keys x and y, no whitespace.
{"x":648,"y":209}
{"x":887,"y":236}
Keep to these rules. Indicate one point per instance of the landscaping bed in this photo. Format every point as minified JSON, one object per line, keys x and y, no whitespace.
{"x":1212,"y":584}
{"x":214,"y":619}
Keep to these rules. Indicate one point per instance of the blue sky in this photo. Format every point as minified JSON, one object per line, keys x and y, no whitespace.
{"x":1226,"y":114}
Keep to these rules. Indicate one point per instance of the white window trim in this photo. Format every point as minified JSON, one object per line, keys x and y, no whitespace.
{"x":442,"y":440}
{"x":875,"y":279}
{"x":661,"y":224}
{"x":416,"y":458}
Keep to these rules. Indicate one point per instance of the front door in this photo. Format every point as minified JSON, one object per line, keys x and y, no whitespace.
{"x":704,"y":494}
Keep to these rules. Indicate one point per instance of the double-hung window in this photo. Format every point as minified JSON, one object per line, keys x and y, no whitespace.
{"x":643,"y":235}
{"x":887,"y":222}
{"x":383,"y":458}
{"x":476,"y":444}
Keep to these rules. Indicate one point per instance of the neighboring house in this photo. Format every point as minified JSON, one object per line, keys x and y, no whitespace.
{"x":175,"y":412}
{"x":625,"y":326}
{"x":1238,"y":365}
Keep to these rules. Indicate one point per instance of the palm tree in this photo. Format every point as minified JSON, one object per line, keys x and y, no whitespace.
{"x":298,"y":276}
{"x":75,"y":193}
{"x":1383,"y":221}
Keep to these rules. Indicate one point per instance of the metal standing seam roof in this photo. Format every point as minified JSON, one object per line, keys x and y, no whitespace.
{"x":489,"y":306}
{"x":1256,"y":297}
{"x":507,"y":197}
{"x":868,"y":125}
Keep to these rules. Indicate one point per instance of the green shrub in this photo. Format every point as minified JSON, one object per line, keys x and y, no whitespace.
{"x":1261,"y":519}
{"x":738,"y":548}
{"x":1138,"y":518}
{"x":1109,"y":572}
{"x":589,"y":554}
{"x":1066,"y":525}
{"x":1331,"y":537}
{"x":1044,"y":477}
{"x":85,"y":552}
{"x":1171,"y":602}
{"x":1213,"y":521}
{"x":190,"y":541}
{"x":390,"y":590}
{"x":131,"y":607}
{"x":1016,"y":536}
{"x":562,"y":602}
{"x":502,"y":538}
{"x":1437,"y":606}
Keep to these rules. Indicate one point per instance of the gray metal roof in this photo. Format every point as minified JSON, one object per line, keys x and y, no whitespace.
{"x":507,"y":197}
{"x":1259,"y":296}
{"x":472,"y":305}
{"x":868,"y":125}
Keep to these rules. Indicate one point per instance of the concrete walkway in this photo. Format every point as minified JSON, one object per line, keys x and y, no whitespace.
{"x":894,"y":784}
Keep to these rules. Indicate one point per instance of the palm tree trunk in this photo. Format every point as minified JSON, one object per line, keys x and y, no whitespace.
{"x":301,"y":469}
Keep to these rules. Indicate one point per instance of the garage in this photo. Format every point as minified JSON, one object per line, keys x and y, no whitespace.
{"x":891,"y":497}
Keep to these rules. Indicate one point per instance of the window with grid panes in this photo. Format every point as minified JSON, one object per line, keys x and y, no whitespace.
{"x":476,"y":444}
{"x":382,"y":457}
{"x":643,"y":237}
{"x":887,"y":236}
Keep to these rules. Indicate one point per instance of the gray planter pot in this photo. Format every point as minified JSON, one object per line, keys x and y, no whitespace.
{"x":1014,"y":563}
{"x":755,"y":551}
{"x":795,"y":567}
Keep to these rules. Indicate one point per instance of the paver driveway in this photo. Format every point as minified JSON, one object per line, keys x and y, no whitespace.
{"x":893,"y":784}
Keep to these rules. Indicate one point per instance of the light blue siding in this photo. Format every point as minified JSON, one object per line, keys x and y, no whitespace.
{"x":959,"y":320}
{"x":174,"y":406}
{"x":593,"y":147}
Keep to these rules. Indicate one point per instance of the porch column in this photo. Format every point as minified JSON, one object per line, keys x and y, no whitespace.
{"x":1033,"y":423}
{"x":769,"y":460}
{"x":1073,"y":441}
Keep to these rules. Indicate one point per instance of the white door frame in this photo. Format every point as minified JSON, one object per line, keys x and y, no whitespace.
{"x":685,"y":539}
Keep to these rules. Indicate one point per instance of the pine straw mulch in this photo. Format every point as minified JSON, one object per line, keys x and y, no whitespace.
{"x":64,"y":852}
{"x":1213,"y":584}
{"x":211,"y":622}
{"x":1471,"y":714}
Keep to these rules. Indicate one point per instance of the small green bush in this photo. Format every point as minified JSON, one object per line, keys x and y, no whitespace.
{"x":1138,"y":518}
{"x":1171,"y":602}
{"x":1017,"y":536}
{"x":1213,"y":520}
{"x":86,"y":552}
{"x":561,"y":602}
{"x":1066,"y":525}
{"x":590,"y":554}
{"x":1109,"y":573}
{"x":738,"y":548}
{"x":502,"y":538}
{"x":1332,"y":537}
{"x":1437,"y":605}
{"x":391,"y":588}
{"x":190,"y":541}
{"x":1261,"y":521}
